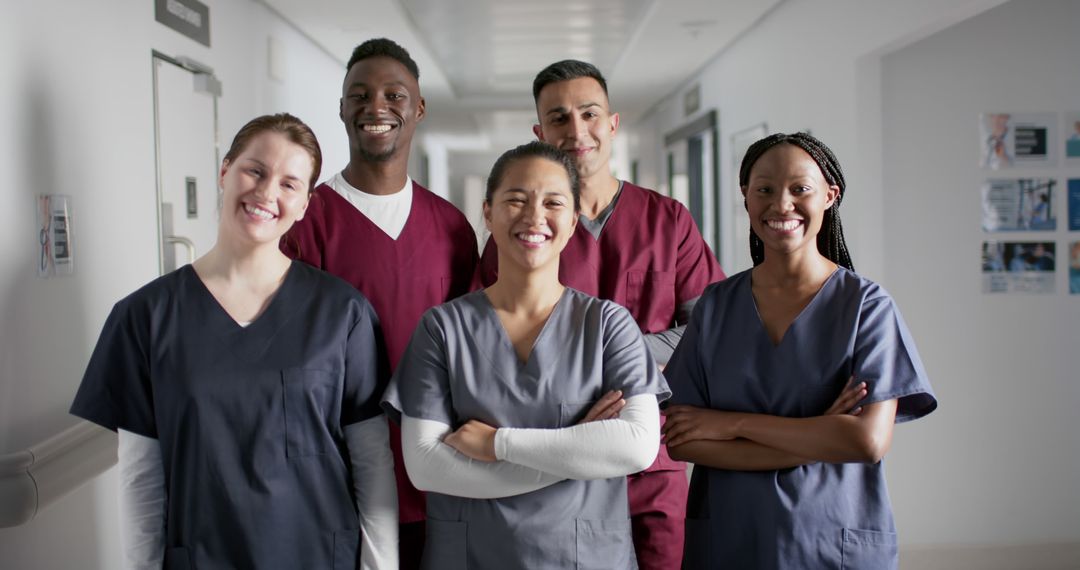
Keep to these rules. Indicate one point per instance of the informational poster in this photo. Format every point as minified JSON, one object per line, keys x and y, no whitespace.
{"x":1014,"y":204}
{"x":1010,"y":140}
{"x":1018,"y":267}
{"x":1074,"y":204}
{"x":1072,"y":137}
{"x":1074,"y":268}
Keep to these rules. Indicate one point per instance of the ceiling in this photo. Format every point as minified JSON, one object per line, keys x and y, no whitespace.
{"x":477,"y":58}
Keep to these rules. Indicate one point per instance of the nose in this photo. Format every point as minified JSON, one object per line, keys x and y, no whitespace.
{"x":579,"y":125}
{"x":264,"y":188}
{"x":377,"y":105}
{"x":785,"y":202}
{"x":534,"y":213}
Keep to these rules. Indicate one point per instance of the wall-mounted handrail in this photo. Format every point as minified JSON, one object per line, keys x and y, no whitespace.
{"x":34,"y":478}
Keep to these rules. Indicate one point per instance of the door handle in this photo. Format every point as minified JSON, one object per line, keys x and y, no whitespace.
{"x":187,"y":243}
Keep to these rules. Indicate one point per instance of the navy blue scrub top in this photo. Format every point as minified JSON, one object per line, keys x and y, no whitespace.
{"x":821,"y":515}
{"x":249,"y":418}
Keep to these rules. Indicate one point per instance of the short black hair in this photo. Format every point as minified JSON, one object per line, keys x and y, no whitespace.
{"x":386,"y":48}
{"x":830,"y":240}
{"x":566,"y":70}
{"x":534,"y":149}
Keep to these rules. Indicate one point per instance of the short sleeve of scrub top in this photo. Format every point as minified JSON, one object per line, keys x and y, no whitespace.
{"x":116,"y":391}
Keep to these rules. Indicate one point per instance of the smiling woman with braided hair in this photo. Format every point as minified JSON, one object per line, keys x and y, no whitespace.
{"x":788,"y":382}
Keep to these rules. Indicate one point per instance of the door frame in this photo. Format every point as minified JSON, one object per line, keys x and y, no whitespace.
{"x":213,"y":88}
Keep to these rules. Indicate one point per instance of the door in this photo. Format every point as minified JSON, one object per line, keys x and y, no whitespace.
{"x":691,"y":174}
{"x":186,"y":152}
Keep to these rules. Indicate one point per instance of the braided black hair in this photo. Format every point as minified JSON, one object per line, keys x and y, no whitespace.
{"x":830,"y":240}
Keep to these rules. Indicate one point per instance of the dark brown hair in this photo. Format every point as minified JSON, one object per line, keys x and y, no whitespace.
{"x":294,"y":130}
{"x":534,"y":149}
{"x":566,"y":70}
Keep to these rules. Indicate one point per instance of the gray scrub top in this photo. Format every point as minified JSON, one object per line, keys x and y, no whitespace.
{"x":460,"y":365}
{"x":822,"y":515}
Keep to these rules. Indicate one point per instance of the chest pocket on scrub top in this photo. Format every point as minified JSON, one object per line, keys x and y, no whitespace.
{"x":310,"y":406}
{"x":650,"y":295}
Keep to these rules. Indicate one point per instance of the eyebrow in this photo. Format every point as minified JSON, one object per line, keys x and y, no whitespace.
{"x":263,"y":164}
{"x":561,"y":110}
{"x":389,"y":83}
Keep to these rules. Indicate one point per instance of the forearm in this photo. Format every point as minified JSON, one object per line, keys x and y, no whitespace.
{"x":833,"y":438}
{"x":376,"y":492}
{"x":434,"y":466}
{"x":736,"y":455}
{"x":142,"y":501}
{"x":594,"y":450}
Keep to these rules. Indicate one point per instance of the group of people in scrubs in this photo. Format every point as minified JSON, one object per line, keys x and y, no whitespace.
{"x":342,"y":381}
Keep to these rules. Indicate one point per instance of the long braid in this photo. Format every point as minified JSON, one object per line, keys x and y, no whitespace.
{"x":830,"y":239}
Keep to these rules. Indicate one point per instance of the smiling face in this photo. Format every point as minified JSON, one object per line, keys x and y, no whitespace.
{"x":531,"y":214}
{"x":265,"y":189}
{"x":786,"y":198}
{"x":380,"y":107}
{"x":574,"y":117}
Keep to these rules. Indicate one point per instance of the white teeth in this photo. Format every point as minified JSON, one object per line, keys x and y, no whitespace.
{"x":532,"y":238}
{"x":783,"y":225}
{"x":376,"y":128}
{"x":258,"y":212}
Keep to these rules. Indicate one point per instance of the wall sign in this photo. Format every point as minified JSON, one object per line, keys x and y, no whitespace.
{"x":189,"y":17}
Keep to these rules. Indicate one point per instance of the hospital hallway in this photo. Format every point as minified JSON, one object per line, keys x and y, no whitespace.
{"x":957,"y":122}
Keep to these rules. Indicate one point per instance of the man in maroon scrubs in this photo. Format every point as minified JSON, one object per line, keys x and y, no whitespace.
{"x":637,"y":248}
{"x":403,"y":247}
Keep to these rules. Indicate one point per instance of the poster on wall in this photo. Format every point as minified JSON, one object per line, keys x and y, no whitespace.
{"x":1018,"y":267}
{"x":1074,"y":268}
{"x":1019,"y":204}
{"x":1074,"y":204}
{"x":1072,"y":137}
{"x":1008,"y":140}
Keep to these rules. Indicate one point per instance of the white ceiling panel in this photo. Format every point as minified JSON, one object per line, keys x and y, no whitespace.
{"x":477,"y":58}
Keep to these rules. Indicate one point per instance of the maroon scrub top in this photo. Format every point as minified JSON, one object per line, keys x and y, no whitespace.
{"x":431,"y":262}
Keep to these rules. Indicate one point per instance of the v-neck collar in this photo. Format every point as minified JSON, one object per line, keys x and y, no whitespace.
{"x":531,"y":364}
{"x":250,"y":341}
{"x":762,"y":329}
{"x":601,"y":221}
{"x":372,"y":226}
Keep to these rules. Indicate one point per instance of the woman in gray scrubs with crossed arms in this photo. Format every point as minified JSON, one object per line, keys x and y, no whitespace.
{"x":524,"y":406}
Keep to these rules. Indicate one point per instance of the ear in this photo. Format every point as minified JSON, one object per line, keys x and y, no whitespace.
{"x":487,"y":216}
{"x":221,"y":174}
{"x":614,"y":123}
{"x":539,"y":133}
{"x":421,"y":110}
{"x":341,"y":108}
{"x":833,"y":194}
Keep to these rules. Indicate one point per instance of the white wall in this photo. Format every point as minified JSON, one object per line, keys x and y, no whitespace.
{"x":1003,"y":457}
{"x":802,"y":67}
{"x":76,"y":103}
{"x":989,"y":480}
